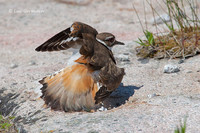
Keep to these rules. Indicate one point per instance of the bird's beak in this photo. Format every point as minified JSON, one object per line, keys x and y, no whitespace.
{"x":118,"y":43}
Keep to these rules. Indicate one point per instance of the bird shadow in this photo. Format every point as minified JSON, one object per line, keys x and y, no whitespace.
{"x":120,"y":96}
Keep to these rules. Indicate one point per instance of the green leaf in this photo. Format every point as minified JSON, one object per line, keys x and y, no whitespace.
{"x":176,"y":131}
{"x":141,"y":42}
{"x":149,"y":37}
{"x":5,"y":125}
{"x":11,"y":117}
{"x":182,"y":128}
{"x":1,"y":117}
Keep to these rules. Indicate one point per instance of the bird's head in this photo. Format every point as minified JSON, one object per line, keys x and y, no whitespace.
{"x":108,"y":39}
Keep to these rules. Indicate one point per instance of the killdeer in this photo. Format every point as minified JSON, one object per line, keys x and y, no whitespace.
{"x":90,"y":78}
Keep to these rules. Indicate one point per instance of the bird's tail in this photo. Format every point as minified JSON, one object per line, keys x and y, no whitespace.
{"x":71,"y":89}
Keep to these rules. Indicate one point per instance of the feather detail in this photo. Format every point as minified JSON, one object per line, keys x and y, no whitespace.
{"x":72,"y":89}
{"x":68,"y":38}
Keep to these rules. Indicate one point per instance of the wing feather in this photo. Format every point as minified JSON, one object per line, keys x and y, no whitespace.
{"x":110,"y":77}
{"x":68,"y":38}
{"x":55,"y":43}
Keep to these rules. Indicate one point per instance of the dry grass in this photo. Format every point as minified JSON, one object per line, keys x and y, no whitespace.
{"x":181,"y":42}
{"x":177,"y":45}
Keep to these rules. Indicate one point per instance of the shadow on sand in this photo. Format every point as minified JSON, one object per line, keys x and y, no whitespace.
{"x":119,"y":96}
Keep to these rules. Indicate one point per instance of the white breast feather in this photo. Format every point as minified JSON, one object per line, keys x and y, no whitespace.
{"x":74,"y":57}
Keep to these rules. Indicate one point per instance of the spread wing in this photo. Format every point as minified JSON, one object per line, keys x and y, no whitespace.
{"x":71,"y":37}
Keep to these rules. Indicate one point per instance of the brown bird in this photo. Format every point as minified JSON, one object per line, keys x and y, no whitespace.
{"x":90,"y":77}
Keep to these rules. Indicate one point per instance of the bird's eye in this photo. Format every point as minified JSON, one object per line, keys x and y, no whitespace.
{"x":110,"y":39}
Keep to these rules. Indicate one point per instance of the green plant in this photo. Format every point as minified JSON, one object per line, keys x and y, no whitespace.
{"x":182,"y":128}
{"x":149,"y":39}
{"x":141,"y":42}
{"x":6,"y":123}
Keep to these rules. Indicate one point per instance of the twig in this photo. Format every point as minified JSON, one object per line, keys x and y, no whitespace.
{"x":138,"y":17}
{"x":145,"y":17}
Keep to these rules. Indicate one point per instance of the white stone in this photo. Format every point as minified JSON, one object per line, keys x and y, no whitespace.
{"x":171,"y":68}
{"x":152,"y":95}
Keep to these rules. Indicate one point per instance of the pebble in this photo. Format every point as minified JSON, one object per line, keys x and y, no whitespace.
{"x":4,"y":88}
{"x":181,"y":61}
{"x":152,"y":95}
{"x":13,"y":66}
{"x":189,"y":71}
{"x":32,"y":63}
{"x":160,"y":19}
{"x":126,"y":53}
{"x":171,"y":68}
{"x":124,"y":57}
{"x":144,"y":61}
{"x":14,"y":84}
{"x":131,"y":99}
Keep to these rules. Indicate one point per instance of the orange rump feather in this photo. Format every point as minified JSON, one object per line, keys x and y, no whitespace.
{"x":72,"y":89}
{"x":82,"y":60}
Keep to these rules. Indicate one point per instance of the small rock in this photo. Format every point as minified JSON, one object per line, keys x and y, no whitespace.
{"x":144,"y":60}
{"x":123,"y":57}
{"x":189,"y":71}
{"x":171,"y":68}
{"x":160,"y":19}
{"x":4,"y":88}
{"x":13,"y":66}
{"x":14,"y":84}
{"x":32,"y":63}
{"x":152,"y":95}
{"x":181,"y":61}
{"x":126,"y":53}
{"x":131,"y":100}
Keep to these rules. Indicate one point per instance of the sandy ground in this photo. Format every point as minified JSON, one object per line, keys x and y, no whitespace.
{"x":147,"y":101}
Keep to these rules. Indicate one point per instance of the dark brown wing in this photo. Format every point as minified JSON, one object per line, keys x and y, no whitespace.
{"x":111,"y":56}
{"x":110,"y":78}
{"x":102,"y":94}
{"x":68,"y":38}
{"x":56,"y":43}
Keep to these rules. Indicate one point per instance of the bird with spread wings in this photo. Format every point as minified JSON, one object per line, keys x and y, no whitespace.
{"x":93,"y":75}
